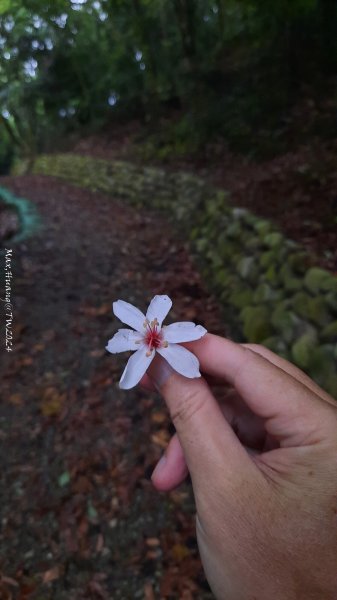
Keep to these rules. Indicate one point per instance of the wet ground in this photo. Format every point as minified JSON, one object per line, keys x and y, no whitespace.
{"x":79,"y":516}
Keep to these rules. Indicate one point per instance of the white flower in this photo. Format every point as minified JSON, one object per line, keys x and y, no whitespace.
{"x":148,"y":337}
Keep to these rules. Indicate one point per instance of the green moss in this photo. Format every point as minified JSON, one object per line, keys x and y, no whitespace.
{"x":331,"y":385}
{"x":331,"y":301}
{"x":256,"y":323}
{"x":241,"y":297}
{"x":317,"y":311}
{"x":330,"y":285}
{"x":234,"y":230}
{"x":267,"y":259}
{"x":252,"y":243}
{"x":247,"y":268}
{"x":285,"y":322}
{"x":300,"y":304}
{"x":224,"y":277}
{"x":290,"y":282}
{"x":315,"y":278}
{"x":265,"y":293}
{"x":273,"y":240}
{"x":262,"y":227}
{"x":322,"y":364}
{"x":330,"y":332}
{"x":275,"y":343}
{"x":272,"y":275}
{"x":302,"y":350}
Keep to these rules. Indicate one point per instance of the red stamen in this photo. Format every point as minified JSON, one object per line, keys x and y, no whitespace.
{"x":153,"y":337}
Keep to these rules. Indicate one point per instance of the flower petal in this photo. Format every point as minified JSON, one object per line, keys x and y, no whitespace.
{"x":158,"y":308}
{"x":124,"y":339}
{"x":135,"y":368}
{"x":129,"y":314}
{"x":181,"y":360}
{"x":184,"y":331}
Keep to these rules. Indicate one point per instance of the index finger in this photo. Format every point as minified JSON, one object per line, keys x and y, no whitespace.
{"x":294,"y":413}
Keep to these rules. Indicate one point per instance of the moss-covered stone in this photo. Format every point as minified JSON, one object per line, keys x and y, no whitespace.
{"x":201,"y":244}
{"x":241,"y":297}
{"x":300,"y":304}
{"x":322,"y":364}
{"x":331,"y":385}
{"x":331,"y":301}
{"x":272,"y":275}
{"x":252,"y":244}
{"x":234,"y":230}
{"x":286,"y":323}
{"x":265,"y":293}
{"x":302,"y":350}
{"x":275,"y":343}
{"x":267,"y":259}
{"x":194,"y":233}
{"x":239,"y":213}
{"x":330,"y":285}
{"x":330,"y":332}
{"x":315,"y":279}
{"x":262,"y":227}
{"x":251,"y":220}
{"x":256,"y":323}
{"x":273,"y":240}
{"x":247,"y":268}
{"x":317,"y":311}
{"x":290,"y":282}
{"x":298,"y":262}
{"x":224,"y":277}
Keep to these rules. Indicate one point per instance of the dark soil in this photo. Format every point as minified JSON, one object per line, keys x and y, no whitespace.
{"x":80,"y":518}
{"x":9,"y":223}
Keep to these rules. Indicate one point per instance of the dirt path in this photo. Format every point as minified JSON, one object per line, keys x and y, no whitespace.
{"x":79,"y":516}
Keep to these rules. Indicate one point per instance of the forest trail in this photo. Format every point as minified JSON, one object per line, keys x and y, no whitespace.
{"x":80,"y":518}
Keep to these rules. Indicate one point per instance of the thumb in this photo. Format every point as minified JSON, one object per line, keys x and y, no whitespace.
{"x":204,"y":433}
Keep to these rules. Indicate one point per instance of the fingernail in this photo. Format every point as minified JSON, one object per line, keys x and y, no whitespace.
{"x":160,"y":465}
{"x":159,"y":372}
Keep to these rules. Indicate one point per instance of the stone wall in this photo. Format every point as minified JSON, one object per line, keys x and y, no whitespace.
{"x":269,"y":288}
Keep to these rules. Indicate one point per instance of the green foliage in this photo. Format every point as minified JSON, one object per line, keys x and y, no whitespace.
{"x":226,"y":69}
{"x":4,"y":6}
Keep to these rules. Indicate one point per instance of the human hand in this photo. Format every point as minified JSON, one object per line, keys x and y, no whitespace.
{"x":263,"y":470}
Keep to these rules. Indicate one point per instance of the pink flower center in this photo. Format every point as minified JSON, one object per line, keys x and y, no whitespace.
{"x":153,"y":338}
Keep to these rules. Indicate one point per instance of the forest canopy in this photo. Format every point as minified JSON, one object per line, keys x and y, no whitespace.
{"x":225,"y":68}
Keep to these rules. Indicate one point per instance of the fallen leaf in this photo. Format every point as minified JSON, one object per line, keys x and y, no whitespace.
{"x":96,"y":311}
{"x":160,"y":438}
{"x":97,"y":353}
{"x":16,"y":399}
{"x":26,"y":361}
{"x":8,"y":580}
{"x":152,"y":542}
{"x":52,"y":402}
{"x":158,"y":417}
{"x":179,"y":552}
{"x":48,"y":335}
{"x":51,"y":575}
{"x":37,"y":348}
